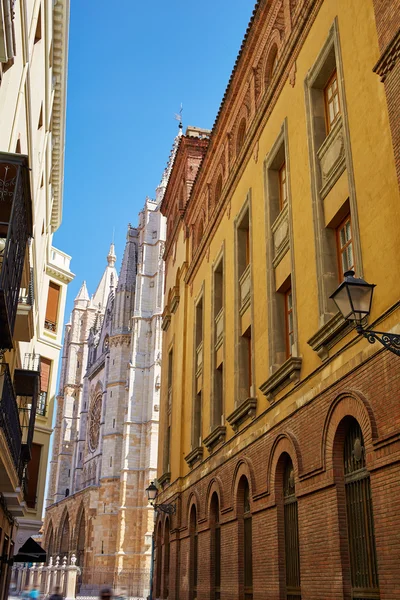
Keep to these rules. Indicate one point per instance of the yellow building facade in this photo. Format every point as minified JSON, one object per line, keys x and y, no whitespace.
{"x":264,"y":383}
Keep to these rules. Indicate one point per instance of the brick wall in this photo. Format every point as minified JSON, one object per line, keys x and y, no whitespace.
{"x":313,"y":437}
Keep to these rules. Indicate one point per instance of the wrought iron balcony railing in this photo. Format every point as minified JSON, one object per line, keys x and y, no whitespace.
{"x":26,"y":295}
{"x":15,"y":229}
{"x":9,"y":416}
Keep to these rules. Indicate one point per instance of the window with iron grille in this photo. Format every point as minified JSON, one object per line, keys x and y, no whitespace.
{"x":292,"y":553}
{"x":247,"y":545}
{"x":194,"y":544}
{"x":360,"y":518}
{"x":215,"y":549}
{"x":166,"y":559}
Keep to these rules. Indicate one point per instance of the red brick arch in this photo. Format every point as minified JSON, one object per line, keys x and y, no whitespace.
{"x":214,"y":487}
{"x":347,"y":404}
{"x":193,"y":500}
{"x":285,"y":443}
{"x":244,"y":467}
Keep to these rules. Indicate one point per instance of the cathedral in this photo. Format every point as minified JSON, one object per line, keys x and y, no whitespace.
{"x":106,"y":430}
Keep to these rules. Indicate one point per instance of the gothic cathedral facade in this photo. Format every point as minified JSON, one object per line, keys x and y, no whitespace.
{"x":106,"y":431}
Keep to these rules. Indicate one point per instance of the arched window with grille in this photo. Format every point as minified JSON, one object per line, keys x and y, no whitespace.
{"x":245,"y":532}
{"x":158,"y":562}
{"x":50,"y":542}
{"x":291,"y":529}
{"x":194,"y":552}
{"x":215,"y":549}
{"x":360,"y":518}
{"x":166,"y":558}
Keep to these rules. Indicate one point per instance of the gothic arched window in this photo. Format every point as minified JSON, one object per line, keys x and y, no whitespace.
{"x":94,"y":423}
{"x":291,"y":528}
{"x":360,"y":518}
{"x":64,"y":541}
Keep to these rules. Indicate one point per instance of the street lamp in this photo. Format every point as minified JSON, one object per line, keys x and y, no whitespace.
{"x":353,"y":298}
{"x":152,"y":494}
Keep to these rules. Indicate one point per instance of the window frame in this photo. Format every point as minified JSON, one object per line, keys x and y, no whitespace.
{"x":341,"y":249}
{"x":327,"y":103}
{"x":289,"y":332}
{"x":282,"y":179}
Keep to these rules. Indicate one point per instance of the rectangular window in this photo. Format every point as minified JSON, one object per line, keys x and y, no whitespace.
{"x":53,"y":298}
{"x":217,"y":408}
{"x":332,"y":103}
{"x":344,"y":243}
{"x":243,"y":240}
{"x":246,"y":372}
{"x":282,"y":186}
{"x":45,"y":369}
{"x":167,"y":445}
{"x":33,"y":476}
{"x":289,"y":322}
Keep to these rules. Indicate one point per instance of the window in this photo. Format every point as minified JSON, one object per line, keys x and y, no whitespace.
{"x":38,"y":32}
{"x":40,"y":121}
{"x":215,"y":549}
{"x":282,"y":186}
{"x":167,"y":444}
{"x":53,"y":297}
{"x":193,"y":574}
{"x":345,"y":247}
{"x":243,"y":241}
{"x":360,"y":517}
{"x":332,"y":103}
{"x":32,"y":476}
{"x":166,"y":559}
{"x":197,"y":401}
{"x":245,"y":532}
{"x":45,"y":369}
{"x":291,"y":529}
{"x":289,"y":322}
{"x":158,"y":563}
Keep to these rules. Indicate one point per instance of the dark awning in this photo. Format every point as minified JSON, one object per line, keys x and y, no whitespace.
{"x":32,"y":552}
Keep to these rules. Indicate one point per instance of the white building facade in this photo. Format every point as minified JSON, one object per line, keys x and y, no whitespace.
{"x":33,"y":274}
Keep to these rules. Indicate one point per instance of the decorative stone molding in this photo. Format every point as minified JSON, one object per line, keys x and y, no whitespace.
{"x":120,"y":340}
{"x":194,"y":456}
{"x":217,"y":436}
{"x":166,"y":319}
{"x":286,"y":373}
{"x":245,"y":410}
{"x":280,"y":233}
{"x":219,"y":329}
{"x":175,"y":297}
{"x":165,"y":479}
{"x":245,"y":289}
{"x":328,"y":335}
{"x":332,"y":157}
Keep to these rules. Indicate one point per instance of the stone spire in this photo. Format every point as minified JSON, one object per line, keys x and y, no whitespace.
{"x":108,"y":280}
{"x":125,"y":290}
{"x":82,"y":297}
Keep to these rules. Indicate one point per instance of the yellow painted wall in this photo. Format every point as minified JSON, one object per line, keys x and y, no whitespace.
{"x":378,"y":211}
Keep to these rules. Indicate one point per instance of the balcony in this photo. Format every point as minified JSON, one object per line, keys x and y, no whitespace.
{"x":27,"y":386}
{"x":9,"y":416}
{"x":15,"y":229}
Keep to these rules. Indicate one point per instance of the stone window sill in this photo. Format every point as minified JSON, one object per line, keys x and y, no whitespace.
{"x":165,"y":479}
{"x":166,"y":322}
{"x":217,"y":436}
{"x":245,"y":410}
{"x":328,"y":335}
{"x":286,"y":374}
{"x":175,"y":299}
{"x":194,"y":456}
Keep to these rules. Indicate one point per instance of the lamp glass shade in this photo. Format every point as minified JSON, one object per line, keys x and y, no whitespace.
{"x":353,"y":297}
{"x":151,"y":492}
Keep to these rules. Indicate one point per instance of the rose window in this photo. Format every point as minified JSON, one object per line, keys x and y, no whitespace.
{"x":94,"y":423}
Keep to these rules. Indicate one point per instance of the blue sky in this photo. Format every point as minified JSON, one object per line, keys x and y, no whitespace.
{"x":131,"y":64}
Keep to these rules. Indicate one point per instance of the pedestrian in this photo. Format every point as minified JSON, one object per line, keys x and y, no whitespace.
{"x":25,"y":594}
{"x":34,"y":594}
{"x":105,"y":594}
{"x":56,"y":595}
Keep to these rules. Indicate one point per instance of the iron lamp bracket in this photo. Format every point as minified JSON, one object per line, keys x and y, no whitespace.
{"x":390,"y":341}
